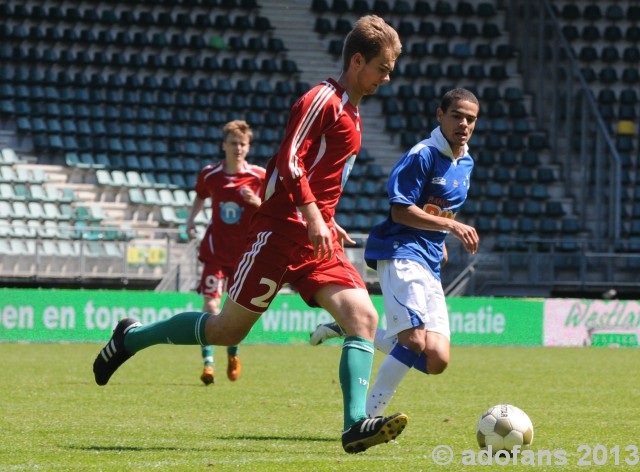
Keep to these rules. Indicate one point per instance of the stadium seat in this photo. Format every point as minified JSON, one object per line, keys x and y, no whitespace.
{"x":539,"y":191}
{"x":476,"y":72}
{"x":588,"y":54}
{"x":592,"y":12}
{"x":434,"y":71}
{"x":502,"y":174}
{"x":454,"y":72}
{"x":484,"y":224}
{"x":570,"y":12}
{"x":505,"y":225}
{"x":590,"y":33}
{"x":488,"y":207}
{"x":494,"y":190}
{"x":630,"y":76}
{"x":6,"y":212}
{"x":526,"y":225}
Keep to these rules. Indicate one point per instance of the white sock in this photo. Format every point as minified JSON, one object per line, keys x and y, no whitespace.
{"x":389,"y":376}
{"x":382,"y":344}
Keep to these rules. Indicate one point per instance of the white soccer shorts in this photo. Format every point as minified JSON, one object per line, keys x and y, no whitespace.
{"x":412,"y":297}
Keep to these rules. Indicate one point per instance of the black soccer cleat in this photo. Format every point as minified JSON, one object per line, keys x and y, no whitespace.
{"x":373,"y":431}
{"x":113,"y":355}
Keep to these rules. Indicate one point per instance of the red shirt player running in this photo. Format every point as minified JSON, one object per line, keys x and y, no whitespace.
{"x":294,"y":239}
{"x":233,"y":186}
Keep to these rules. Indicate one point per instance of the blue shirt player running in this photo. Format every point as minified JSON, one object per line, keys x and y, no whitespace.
{"x":426,"y":188}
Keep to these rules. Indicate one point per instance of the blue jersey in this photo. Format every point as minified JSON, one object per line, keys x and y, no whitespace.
{"x":429,"y":177}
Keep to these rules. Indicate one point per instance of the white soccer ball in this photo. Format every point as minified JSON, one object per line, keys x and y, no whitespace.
{"x":504,"y":426}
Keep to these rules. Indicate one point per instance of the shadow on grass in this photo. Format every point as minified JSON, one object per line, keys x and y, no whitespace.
{"x":249,"y":437}
{"x":239,"y":437}
{"x":125,"y":448}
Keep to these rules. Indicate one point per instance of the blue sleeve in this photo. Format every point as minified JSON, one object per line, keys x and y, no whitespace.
{"x":409,"y":176}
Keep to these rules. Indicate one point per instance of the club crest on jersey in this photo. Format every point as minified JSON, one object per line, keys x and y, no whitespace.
{"x":439,"y":181}
{"x":230,"y":212}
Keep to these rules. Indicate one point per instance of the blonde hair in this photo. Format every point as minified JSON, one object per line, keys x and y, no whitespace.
{"x":239,"y":127}
{"x":369,"y":36}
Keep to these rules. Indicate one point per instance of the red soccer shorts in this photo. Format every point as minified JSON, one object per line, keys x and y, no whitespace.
{"x":213,"y":282}
{"x":272,"y":260}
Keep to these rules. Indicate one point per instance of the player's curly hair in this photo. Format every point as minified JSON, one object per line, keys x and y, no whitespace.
{"x":237,"y":126}
{"x":369,"y":36}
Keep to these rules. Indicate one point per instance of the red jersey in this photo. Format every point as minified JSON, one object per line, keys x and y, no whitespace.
{"x":225,"y":238}
{"x":313,"y":162}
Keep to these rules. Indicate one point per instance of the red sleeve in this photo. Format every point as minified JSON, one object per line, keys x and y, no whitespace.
{"x":201,"y":188}
{"x":311,"y":115}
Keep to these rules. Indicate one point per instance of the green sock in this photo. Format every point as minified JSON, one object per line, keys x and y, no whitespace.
{"x":355,"y":370}
{"x":232,"y":350}
{"x":183,"y":328}
{"x":207,"y":355}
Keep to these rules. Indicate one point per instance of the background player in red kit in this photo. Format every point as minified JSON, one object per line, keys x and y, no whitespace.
{"x":234,"y":186}
{"x":294,"y":239}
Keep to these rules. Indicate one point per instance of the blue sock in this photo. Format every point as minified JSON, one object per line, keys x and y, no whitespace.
{"x":421,"y":363}
{"x":391,"y":372}
{"x":404,"y":354}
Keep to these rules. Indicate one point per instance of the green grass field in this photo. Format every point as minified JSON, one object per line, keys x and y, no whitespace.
{"x":285,"y":413}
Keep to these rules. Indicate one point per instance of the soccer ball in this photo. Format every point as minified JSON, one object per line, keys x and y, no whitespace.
{"x":504,"y":426}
